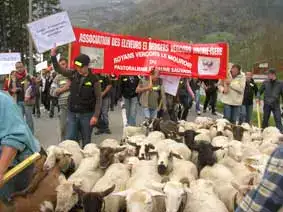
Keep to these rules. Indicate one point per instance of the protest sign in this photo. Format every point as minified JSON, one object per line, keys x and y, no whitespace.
{"x":54,"y":29}
{"x":8,"y":61}
{"x":128,"y":55}
{"x":171,"y":84}
{"x":40,"y":66}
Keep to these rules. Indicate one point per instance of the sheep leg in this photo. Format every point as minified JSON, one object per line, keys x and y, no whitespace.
{"x":32,"y":186}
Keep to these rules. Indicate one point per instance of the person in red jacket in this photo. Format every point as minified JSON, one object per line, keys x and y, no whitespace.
{"x":6,"y":83}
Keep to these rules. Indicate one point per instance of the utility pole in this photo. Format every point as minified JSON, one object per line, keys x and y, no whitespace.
{"x":30,"y":40}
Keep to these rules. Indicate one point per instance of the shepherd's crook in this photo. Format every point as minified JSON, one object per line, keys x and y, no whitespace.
{"x":258,"y":115}
{"x":20,"y":167}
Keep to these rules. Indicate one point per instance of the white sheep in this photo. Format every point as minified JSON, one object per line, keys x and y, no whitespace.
{"x":66,"y":148}
{"x":204,"y":198}
{"x":84,"y":178}
{"x":203,"y":137}
{"x":221,"y":177}
{"x":270,"y":132}
{"x":113,"y":143}
{"x":117,"y":174}
{"x":220,"y":141}
{"x":139,"y":195}
{"x":131,"y":131}
{"x":205,"y":122}
{"x":177,"y":188}
{"x":155,"y":136}
{"x":267,"y":148}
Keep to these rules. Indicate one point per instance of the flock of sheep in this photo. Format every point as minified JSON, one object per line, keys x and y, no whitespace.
{"x":202,"y":166}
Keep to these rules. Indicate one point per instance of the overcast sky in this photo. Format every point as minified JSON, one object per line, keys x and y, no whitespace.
{"x":72,"y":3}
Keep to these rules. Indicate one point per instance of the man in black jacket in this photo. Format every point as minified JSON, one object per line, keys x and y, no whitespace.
{"x":210,"y":87}
{"x":128,"y":85}
{"x":84,"y":102}
{"x":247,"y":107}
{"x":272,"y":89}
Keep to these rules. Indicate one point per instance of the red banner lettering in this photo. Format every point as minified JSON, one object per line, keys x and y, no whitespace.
{"x":128,"y":55}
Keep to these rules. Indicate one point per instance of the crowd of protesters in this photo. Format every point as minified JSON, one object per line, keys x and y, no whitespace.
{"x":84,"y":99}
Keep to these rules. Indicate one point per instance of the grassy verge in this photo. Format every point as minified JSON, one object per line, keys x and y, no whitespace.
{"x":219,"y":108}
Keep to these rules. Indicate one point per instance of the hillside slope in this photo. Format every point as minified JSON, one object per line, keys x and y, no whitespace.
{"x":253,"y":28}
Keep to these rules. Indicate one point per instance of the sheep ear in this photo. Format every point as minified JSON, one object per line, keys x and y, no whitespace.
{"x":215,"y":148}
{"x":151,"y":146}
{"x":132,"y":144}
{"x":176,"y":155}
{"x":119,"y":149}
{"x":122,"y":193}
{"x":67,"y":153}
{"x":62,"y":179}
{"x":155,"y":193}
{"x":157,"y":185}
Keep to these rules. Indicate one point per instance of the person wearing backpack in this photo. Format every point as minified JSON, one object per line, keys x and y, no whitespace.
{"x":29,"y":102}
{"x":84,"y":103}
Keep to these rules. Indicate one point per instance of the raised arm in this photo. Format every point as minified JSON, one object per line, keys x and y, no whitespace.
{"x":56,"y":65}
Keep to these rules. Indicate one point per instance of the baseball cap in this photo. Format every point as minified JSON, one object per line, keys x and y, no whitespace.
{"x":271,"y":71}
{"x":82,"y":60}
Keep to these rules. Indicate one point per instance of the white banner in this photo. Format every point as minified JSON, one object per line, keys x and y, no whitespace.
{"x":40,"y":66}
{"x":54,"y":29}
{"x":8,"y":61}
{"x":171,"y":84}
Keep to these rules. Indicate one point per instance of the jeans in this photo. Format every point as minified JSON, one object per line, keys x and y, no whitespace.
{"x":246,"y":113}
{"x":197,"y":100}
{"x":113,"y":96}
{"x":150,"y":113}
{"x":79,"y":123}
{"x":29,"y":118}
{"x":21,"y":106}
{"x":231,"y":113}
{"x":16,"y":184}
{"x":62,"y":117}
{"x":103,"y":122}
{"x":131,"y":110}
{"x":275,"y":109}
{"x":210,"y":98}
{"x":184,"y":100}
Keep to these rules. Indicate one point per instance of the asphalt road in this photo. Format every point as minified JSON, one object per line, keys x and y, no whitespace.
{"x":46,"y":129}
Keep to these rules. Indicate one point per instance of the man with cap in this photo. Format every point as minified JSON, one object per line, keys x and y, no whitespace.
{"x":84,"y":102}
{"x":272,"y":89}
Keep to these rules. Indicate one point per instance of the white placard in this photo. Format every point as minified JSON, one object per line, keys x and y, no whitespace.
{"x":171,"y":84}
{"x":54,"y":29}
{"x":40,"y":66}
{"x":8,"y":61}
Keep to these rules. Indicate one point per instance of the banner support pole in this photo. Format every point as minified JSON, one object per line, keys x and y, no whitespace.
{"x":69,"y":54}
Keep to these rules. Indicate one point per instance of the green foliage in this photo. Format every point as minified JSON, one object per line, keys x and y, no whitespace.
{"x":253,"y":28}
{"x":13,"y":20}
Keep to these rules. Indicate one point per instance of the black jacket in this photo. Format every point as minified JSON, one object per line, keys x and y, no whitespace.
{"x":250,"y":90}
{"x":272,"y":91}
{"x":128,"y":86}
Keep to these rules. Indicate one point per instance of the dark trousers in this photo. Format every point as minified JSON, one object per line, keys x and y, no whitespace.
{"x":103,"y":121}
{"x":46,"y":100}
{"x":113,"y":98}
{"x":275,"y":109}
{"x":79,"y":123}
{"x":210,"y":98}
{"x":184,"y":100}
{"x":54,"y":103}
{"x":36,"y":107}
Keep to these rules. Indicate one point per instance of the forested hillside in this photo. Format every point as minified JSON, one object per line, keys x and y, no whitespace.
{"x":253,"y":28}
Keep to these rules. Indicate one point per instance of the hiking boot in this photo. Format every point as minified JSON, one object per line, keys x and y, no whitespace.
{"x":99,"y":132}
{"x":214,"y":113}
{"x":107,"y":131}
{"x":198,"y":113}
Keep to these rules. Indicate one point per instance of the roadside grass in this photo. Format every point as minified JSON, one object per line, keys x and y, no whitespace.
{"x":220,"y":107}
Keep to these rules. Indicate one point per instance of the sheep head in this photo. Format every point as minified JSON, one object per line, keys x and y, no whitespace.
{"x":93,"y":201}
{"x":107,"y":156}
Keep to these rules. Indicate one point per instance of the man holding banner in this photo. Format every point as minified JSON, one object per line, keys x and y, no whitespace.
{"x":85,"y":98}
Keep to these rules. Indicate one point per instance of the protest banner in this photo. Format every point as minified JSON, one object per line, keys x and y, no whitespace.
{"x":54,"y":29}
{"x":8,"y":61}
{"x":128,"y":55}
{"x":40,"y":66}
{"x":171,"y":84}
